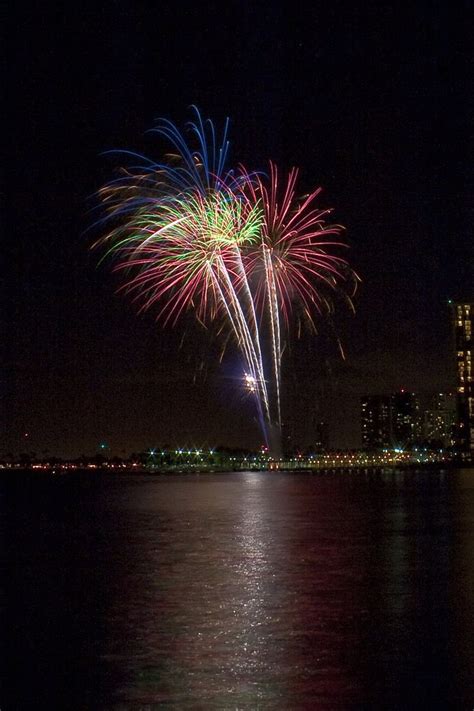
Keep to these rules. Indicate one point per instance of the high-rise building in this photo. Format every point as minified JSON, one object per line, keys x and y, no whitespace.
{"x":462,"y":312}
{"x":439,"y":421}
{"x":376,"y":421}
{"x":406,"y":430}
{"x":322,"y":437}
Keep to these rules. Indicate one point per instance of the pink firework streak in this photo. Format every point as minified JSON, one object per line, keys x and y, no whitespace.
{"x":294,"y":261}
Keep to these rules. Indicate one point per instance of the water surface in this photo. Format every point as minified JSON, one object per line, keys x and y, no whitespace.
{"x":239,"y":591}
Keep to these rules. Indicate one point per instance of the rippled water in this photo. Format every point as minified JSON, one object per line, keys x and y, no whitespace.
{"x":239,"y":591}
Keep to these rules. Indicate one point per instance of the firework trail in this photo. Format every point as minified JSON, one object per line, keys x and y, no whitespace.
{"x":190,"y":234}
{"x":294,"y":261}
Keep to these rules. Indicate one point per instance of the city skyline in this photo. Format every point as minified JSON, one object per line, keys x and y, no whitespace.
{"x":397,"y":422}
{"x":384,"y":433}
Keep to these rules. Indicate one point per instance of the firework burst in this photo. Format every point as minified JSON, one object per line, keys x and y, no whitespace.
{"x":188,"y":234}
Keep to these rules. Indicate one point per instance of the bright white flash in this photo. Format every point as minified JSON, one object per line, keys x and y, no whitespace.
{"x":250,"y":382}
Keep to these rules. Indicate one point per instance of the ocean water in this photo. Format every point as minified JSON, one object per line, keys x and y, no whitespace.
{"x":238,"y":591}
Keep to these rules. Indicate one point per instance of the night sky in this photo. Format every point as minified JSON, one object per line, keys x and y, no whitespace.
{"x":373,"y":103}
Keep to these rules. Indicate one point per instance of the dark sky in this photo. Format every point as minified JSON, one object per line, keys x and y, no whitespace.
{"x":373,"y":102}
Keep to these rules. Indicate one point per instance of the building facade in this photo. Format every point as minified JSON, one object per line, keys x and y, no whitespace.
{"x":376,"y":422}
{"x":439,"y":421}
{"x":406,"y":424}
{"x":321,"y":437}
{"x":462,"y":313}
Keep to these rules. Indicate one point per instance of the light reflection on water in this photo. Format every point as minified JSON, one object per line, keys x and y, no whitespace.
{"x":249,"y":590}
